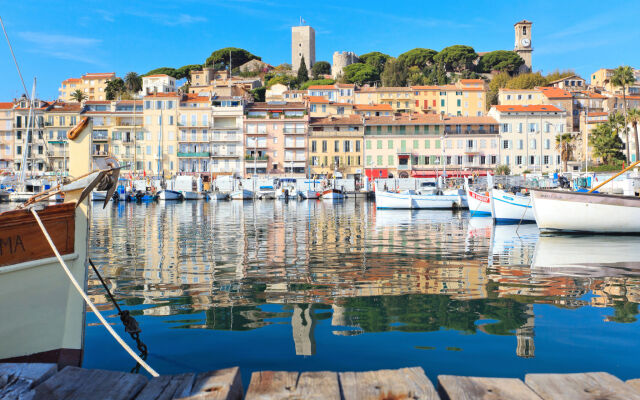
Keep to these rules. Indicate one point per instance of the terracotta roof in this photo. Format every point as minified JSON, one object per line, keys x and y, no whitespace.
{"x":565,"y":78}
{"x":524,"y":21}
{"x":519,"y":90}
{"x":170,"y":94}
{"x":317,"y":99}
{"x":155,"y":76}
{"x":555,"y":93}
{"x":373,"y":107}
{"x":6,"y":106}
{"x":597,"y":114}
{"x":335,"y":120}
{"x":472,"y":80}
{"x":98,"y":102}
{"x":530,"y":108}
{"x":421,"y":119}
{"x":194,"y":98}
{"x":594,"y":95}
{"x":346,"y":85}
{"x":130,"y":101}
{"x":64,"y":107}
{"x":72,"y":80}
{"x":425,"y":87}
{"x":394,"y":89}
{"x":366,"y":89}
{"x":99,"y":75}
{"x":271,"y":106}
{"x":328,"y":87}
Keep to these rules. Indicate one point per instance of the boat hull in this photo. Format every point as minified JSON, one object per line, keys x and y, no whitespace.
{"x":332,"y":194}
{"x":387,"y":200}
{"x":217,"y":196}
{"x":309,"y":194}
{"x":193,"y":195}
{"x":507,"y":208}
{"x":479,"y":204}
{"x":243,"y":194}
{"x":566,"y":211}
{"x":42,"y":315}
{"x":169,"y":195}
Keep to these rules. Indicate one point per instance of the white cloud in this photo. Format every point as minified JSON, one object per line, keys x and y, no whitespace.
{"x":63,"y":47}
{"x":48,"y":39}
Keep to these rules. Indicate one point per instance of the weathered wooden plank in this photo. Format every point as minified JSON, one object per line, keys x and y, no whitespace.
{"x":272,"y":385}
{"x":73,"y":383}
{"x":471,"y":388}
{"x":634,"y":383}
{"x":223,"y":384}
{"x":405,"y":383}
{"x":592,"y":385}
{"x":292,"y":385}
{"x":18,"y":379}
{"x":168,"y":387}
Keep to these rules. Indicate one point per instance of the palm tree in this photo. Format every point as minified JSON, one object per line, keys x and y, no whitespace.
{"x":634,"y":118}
{"x":623,"y":77}
{"x":616,"y":122}
{"x":133,"y":82}
{"x":565,"y":146}
{"x":78,"y":95}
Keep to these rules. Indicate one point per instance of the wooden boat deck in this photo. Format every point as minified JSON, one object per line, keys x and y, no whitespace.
{"x":44,"y":381}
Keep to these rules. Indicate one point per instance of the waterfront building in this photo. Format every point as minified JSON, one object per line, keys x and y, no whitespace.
{"x":275,"y":139}
{"x":375,"y":110}
{"x":321,"y":107}
{"x":399,"y":98}
{"x":560,"y":98}
{"x":366,"y":95}
{"x":335,"y":146}
{"x":601,"y":81}
{"x":35,"y":147}
{"x":59,"y":118}
{"x":571,"y":83}
{"x":467,"y":98}
{"x":157,"y":145}
{"x":158,"y":83}
{"x":227,"y":149}
{"x":93,"y":85}
{"x":338,"y":92}
{"x":528,"y":136}
{"x":411,"y":145}
{"x":6,"y":135}
{"x":303,"y":45}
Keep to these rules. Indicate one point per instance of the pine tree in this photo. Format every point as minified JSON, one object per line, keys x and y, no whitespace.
{"x":303,"y":74}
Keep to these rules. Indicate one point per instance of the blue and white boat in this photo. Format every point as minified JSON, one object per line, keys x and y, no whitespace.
{"x":167,"y":194}
{"x":509,"y":208}
{"x":409,"y":199}
{"x":479,"y":203}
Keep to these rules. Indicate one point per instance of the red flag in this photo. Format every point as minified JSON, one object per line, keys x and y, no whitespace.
{"x":144,"y":173}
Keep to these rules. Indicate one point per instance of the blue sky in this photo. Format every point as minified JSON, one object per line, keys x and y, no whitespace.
{"x":54,"y":40}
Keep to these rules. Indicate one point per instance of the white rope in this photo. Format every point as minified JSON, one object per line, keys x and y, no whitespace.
{"x":86,"y":298}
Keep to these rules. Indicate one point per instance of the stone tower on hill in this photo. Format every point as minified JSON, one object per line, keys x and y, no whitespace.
{"x":523,"y":44}
{"x":340,"y":60}
{"x":303,"y":44}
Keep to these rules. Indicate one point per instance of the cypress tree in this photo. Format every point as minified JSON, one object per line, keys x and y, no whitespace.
{"x":303,"y":74}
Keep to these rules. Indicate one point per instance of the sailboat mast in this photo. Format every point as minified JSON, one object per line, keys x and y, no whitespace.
{"x":25,"y":139}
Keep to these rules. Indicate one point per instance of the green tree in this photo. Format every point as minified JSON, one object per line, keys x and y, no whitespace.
{"x":527,"y":81}
{"x":606,"y":143}
{"x":418,"y":57}
{"x":306,"y":85}
{"x":222,"y":58}
{"x":415,"y":76}
{"x":284,"y":79}
{"x":282,"y":67}
{"x":623,"y":77}
{"x":624,"y":312}
{"x":633,"y":117}
{"x":133,"y":82}
{"x":500,"y":60}
{"x":564,"y":145}
{"x":78,"y":95}
{"x":457,"y":57}
{"x":115,"y":89}
{"x":498,"y":82}
{"x":436,"y":75}
{"x":320,"y":68}
{"x":163,"y":70}
{"x":360,"y":74}
{"x":303,"y":73}
{"x":185,"y":71}
{"x":394,"y":73}
{"x":557,"y":74}
{"x":376,"y":59}
{"x":503,"y":170}
{"x":259,"y":93}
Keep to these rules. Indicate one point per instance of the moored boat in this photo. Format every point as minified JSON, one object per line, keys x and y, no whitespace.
{"x":559,"y":210}
{"x":409,"y":199}
{"x":242,"y":194}
{"x":479,"y":204}
{"x":309,"y":194}
{"x":510,"y":208}
{"x":332,"y":194}
{"x":217,"y":196}
{"x":167,"y":194}
{"x":266,"y":192}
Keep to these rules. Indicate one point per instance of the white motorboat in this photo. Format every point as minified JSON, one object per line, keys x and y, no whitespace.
{"x":332,"y":194}
{"x":509,"y":208}
{"x":190,"y":187}
{"x":217,"y":196}
{"x":558,"y":210}
{"x":409,"y":199}
{"x":242,"y":194}
{"x":166,"y":194}
{"x":287,"y":192}
{"x":459,"y":195}
{"x":479,"y":204}
{"x":266,"y":192}
{"x":193,"y":195}
{"x":309,"y":194}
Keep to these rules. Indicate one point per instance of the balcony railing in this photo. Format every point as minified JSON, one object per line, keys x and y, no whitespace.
{"x":403,"y":167}
{"x":259,"y":158}
{"x":194,"y":154}
{"x":294,"y":130}
{"x":100,"y":137}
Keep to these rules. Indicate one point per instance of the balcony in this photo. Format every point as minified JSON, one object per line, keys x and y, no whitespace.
{"x":99,"y":153}
{"x":226,"y":138}
{"x":225,"y":154}
{"x":294,"y":145}
{"x":259,"y":158}
{"x":404,"y":167}
{"x":100,"y":136}
{"x":194,"y":154}
{"x":294,"y":131}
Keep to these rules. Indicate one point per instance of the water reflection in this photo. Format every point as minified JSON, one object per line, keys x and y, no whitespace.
{"x":335,"y":273}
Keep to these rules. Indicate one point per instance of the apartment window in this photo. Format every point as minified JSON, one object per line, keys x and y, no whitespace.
{"x":532,"y":160}
{"x":546,"y":160}
{"x":336,"y":146}
{"x":442,"y":103}
{"x":18,"y":150}
{"x":379,"y":161}
{"x":357,"y":146}
{"x":506,"y":144}
{"x":346,"y":145}
{"x":533,"y":127}
{"x":533,"y":144}
{"x":519,"y":130}
{"x":147,"y":105}
{"x":324,"y":146}
{"x":379,"y":145}
{"x":390,"y":144}
{"x":368,"y":144}
{"x":519,"y":160}
{"x":148,"y":150}
{"x":313,"y":147}
{"x":547,"y":144}
{"x":389,"y":160}
{"x":520,"y":144}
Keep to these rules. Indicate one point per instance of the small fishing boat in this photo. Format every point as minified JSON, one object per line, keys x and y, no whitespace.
{"x":167,"y":194}
{"x":217,"y":196}
{"x":479,"y":203}
{"x":190,"y":187}
{"x":266,"y":192}
{"x":309,"y":194}
{"x":510,"y":208}
{"x":332,"y":194}
{"x":558,"y":210}
{"x":287,"y":192}
{"x":241,"y":194}
{"x":410,"y":199}
{"x":459,"y":195}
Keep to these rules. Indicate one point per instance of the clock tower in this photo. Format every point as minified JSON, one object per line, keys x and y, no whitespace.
{"x":523,"y":43}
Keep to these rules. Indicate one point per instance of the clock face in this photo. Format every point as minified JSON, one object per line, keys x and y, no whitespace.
{"x":525,"y":42}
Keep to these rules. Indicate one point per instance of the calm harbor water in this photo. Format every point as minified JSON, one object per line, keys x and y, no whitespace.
{"x":316,"y":285}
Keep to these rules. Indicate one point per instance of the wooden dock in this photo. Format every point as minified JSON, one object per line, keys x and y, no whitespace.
{"x":44,"y":381}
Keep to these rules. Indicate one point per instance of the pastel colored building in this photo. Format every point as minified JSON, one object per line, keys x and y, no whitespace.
{"x":158,"y":83}
{"x":420,"y":145}
{"x":157,"y":144}
{"x":601,"y":80}
{"x":467,"y":98}
{"x":35,"y":151}
{"x":321,"y":107}
{"x":399,"y":98}
{"x":528,"y":136}
{"x":59,"y":118}
{"x":93,"y":85}
{"x":335,"y":146}
{"x":338,"y":92}
{"x":6,"y":135}
{"x":227,"y":149}
{"x":275,"y":139}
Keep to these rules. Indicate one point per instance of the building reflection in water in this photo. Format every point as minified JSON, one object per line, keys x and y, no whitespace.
{"x":377,"y":270}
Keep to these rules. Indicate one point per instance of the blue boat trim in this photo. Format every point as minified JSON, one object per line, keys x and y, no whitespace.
{"x":480,"y":213}
{"x":513,"y":204}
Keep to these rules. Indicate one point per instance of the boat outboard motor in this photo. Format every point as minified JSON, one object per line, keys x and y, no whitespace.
{"x":564,"y":183}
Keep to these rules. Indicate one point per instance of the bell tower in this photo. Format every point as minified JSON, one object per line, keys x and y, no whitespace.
{"x":523,"y":43}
